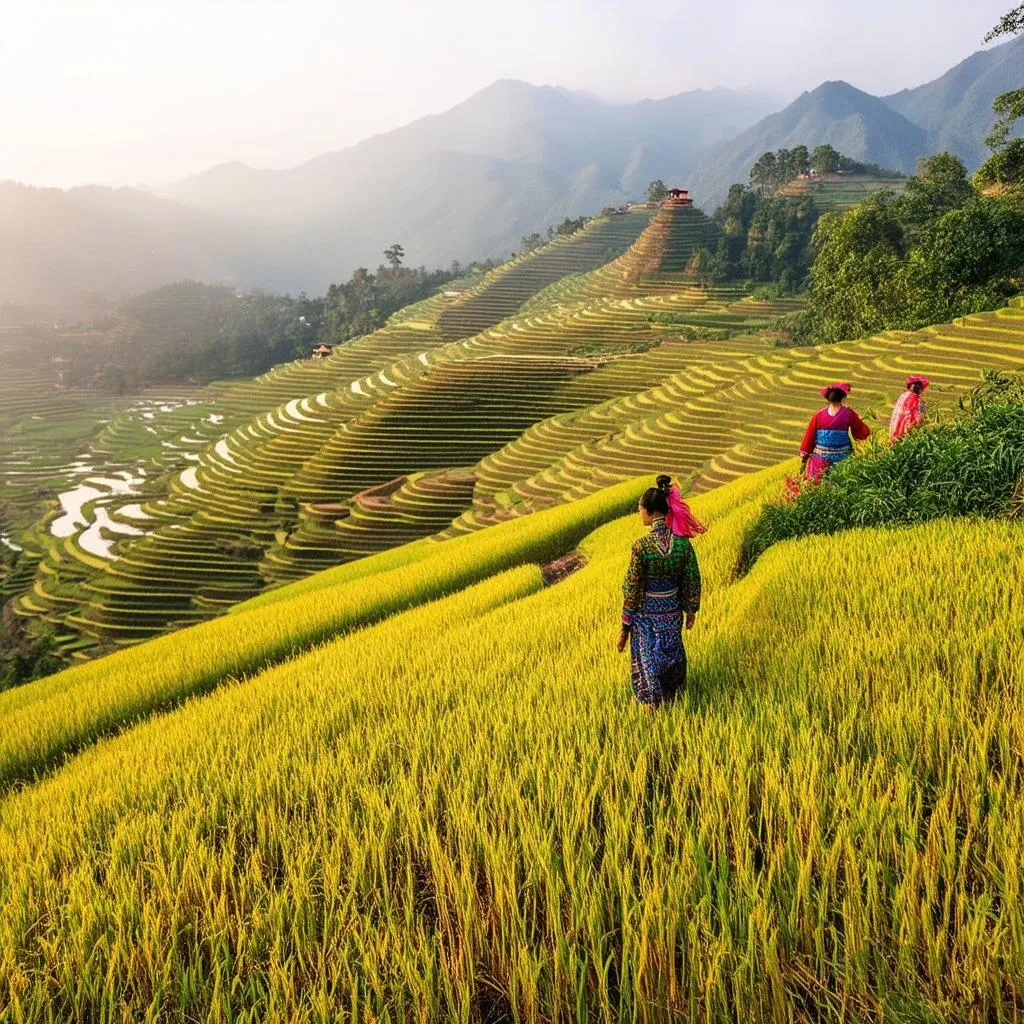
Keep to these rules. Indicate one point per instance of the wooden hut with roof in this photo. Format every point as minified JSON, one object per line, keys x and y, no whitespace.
{"x":677,"y":197}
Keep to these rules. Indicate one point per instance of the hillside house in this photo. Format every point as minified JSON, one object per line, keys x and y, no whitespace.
{"x":678,"y":197}
{"x":322,"y":351}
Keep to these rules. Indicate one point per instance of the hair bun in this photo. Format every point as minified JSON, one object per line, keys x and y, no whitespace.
{"x":664,"y":482}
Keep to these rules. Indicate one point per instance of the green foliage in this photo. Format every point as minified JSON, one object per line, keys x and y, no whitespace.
{"x":765,"y":238}
{"x":773,"y":170}
{"x":1010,"y":24}
{"x":938,"y":251}
{"x":366,"y":300}
{"x":656,"y":191}
{"x":24,"y":655}
{"x":1003,"y":169}
{"x":706,"y":266}
{"x":940,"y":185}
{"x":857,"y":284}
{"x":394,"y":255}
{"x":825,"y":159}
{"x":997,"y":387}
{"x":968,"y":260}
{"x":1010,"y":108}
{"x":971,"y":467}
{"x":532,"y":241}
{"x":570,"y":226}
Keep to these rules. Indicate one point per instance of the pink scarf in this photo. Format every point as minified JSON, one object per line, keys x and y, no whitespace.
{"x":681,"y":521}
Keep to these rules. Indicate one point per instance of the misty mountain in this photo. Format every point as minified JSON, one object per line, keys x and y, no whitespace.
{"x":953,"y":112}
{"x":469,"y":182}
{"x":856,"y":123}
{"x":463,"y":184}
{"x":71,"y":251}
{"x":956,"y":109}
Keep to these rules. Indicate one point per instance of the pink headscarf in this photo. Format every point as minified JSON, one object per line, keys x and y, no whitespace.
{"x":681,"y":521}
{"x":839,"y":385}
{"x":923,"y":381}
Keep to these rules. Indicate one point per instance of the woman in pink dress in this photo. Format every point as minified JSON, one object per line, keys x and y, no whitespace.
{"x":909,"y":409}
{"x":827,"y":439}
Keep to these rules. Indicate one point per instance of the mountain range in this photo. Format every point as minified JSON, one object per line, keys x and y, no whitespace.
{"x":464,"y":184}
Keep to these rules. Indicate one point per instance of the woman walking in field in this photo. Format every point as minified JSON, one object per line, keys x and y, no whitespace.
{"x":827,"y":439}
{"x":908,"y":412}
{"x":661,"y":594}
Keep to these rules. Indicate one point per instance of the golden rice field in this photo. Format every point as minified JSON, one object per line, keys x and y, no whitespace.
{"x":458,"y":813}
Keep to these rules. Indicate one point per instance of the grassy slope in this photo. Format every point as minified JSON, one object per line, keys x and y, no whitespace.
{"x":47,"y":719}
{"x":459,"y":812}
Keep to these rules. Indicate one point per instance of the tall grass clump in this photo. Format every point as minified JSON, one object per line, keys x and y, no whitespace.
{"x":973,"y":466}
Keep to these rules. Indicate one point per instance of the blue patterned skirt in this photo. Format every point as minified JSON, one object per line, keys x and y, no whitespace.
{"x":656,"y":649}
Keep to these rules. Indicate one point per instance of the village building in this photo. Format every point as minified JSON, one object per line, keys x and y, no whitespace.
{"x":322,"y":351}
{"x":677,"y":197}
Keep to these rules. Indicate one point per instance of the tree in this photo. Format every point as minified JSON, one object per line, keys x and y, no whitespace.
{"x":1010,"y":108}
{"x":656,"y":191}
{"x":968,"y":260}
{"x":825,"y":159}
{"x":858,"y":281}
{"x":1010,"y":24}
{"x":762,"y":174}
{"x":394,"y":256}
{"x":940,"y":185}
{"x":1008,"y":105}
{"x":705,"y":267}
{"x":1003,"y":169}
{"x":785,"y":168}
{"x":800,"y":160}
{"x":531,"y":241}
{"x":570,"y":227}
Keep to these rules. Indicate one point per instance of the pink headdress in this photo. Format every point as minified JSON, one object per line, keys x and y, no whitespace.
{"x":923,"y":381}
{"x":681,"y":521}
{"x":840,"y":385}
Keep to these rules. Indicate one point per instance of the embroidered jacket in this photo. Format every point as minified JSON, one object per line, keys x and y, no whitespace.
{"x":661,"y":566}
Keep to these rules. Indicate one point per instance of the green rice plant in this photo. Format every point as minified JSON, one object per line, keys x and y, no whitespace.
{"x":52,"y":717}
{"x":460,"y":814}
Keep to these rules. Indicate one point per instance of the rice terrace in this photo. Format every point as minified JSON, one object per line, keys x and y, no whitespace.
{"x":616,"y":621}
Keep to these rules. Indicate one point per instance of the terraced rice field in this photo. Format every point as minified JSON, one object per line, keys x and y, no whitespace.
{"x":505,"y":289}
{"x":320,"y":462}
{"x":834,"y":193}
{"x":403,"y":435}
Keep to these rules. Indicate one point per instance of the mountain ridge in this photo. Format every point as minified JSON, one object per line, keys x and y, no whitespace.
{"x":468,"y":182}
{"x":856,"y":123}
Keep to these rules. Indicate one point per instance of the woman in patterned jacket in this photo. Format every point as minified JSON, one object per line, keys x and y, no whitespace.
{"x":661,"y":593}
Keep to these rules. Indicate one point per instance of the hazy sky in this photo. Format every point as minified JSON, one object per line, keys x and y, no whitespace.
{"x":131,"y":91}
